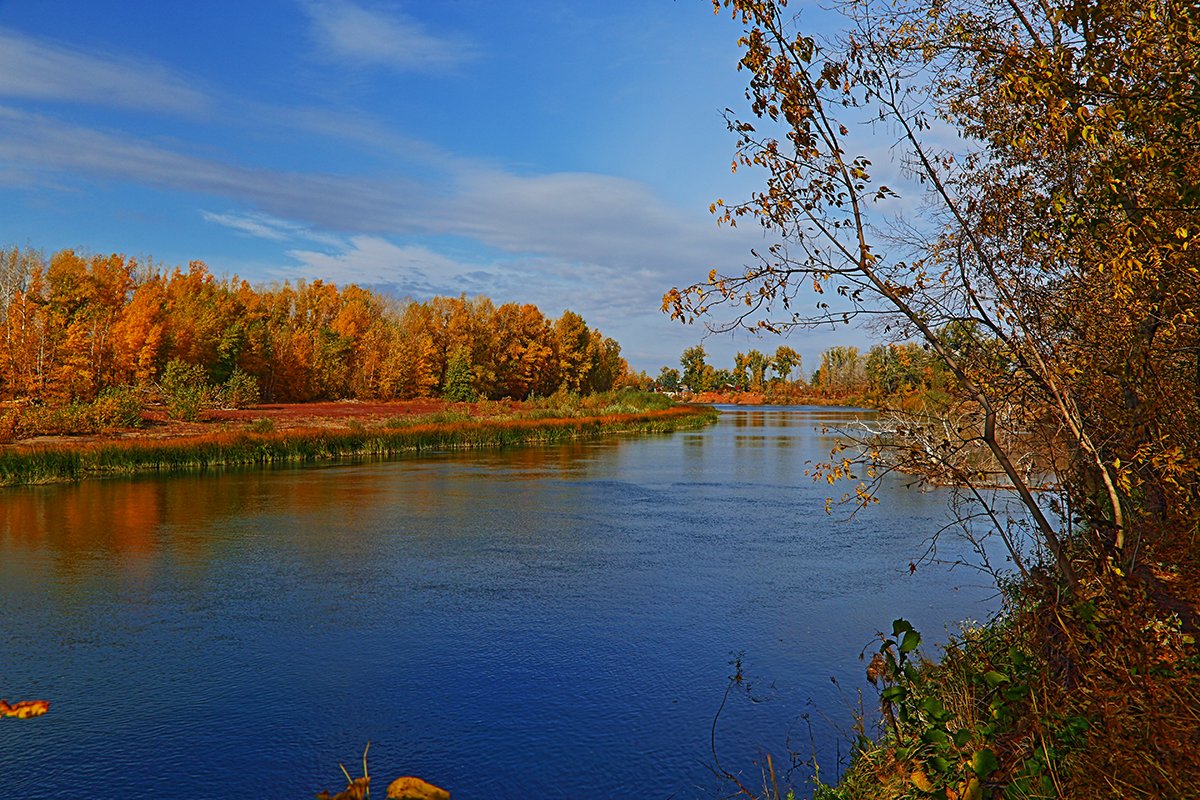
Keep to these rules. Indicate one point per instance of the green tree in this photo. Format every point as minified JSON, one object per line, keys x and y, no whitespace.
{"x":185,"y":389}
{"x":460,"y":379}
{"x":741,"y":372}
{"x":697,"y":374}
{"x":892,"y":368}
{"x":607,"y":366}
{"x":668,"y":379}
{"x":721,"y":380}
{"x":757,"y":364}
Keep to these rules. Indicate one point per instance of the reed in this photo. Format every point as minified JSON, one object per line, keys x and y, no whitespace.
{"x":242,"y":448}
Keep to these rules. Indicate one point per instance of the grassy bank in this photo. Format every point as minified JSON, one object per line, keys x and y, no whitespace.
{"x":532,"y":423}
{"x":1093,"y":697}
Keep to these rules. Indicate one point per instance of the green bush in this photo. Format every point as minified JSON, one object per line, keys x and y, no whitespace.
{"x":240,"y":390}
{"x":185,"y":389}
{"x":118,"y":407}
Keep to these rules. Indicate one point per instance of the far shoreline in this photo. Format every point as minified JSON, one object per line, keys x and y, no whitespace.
{"x":302,"y":433}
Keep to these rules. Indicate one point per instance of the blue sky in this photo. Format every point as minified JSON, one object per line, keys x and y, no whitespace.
{"x":560,"y":153}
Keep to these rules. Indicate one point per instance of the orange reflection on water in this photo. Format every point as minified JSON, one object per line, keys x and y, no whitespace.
{"x":121,"y":517}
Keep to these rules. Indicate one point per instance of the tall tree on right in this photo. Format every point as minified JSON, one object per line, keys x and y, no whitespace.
{"x":1060,"y":240}
{"x":1054,"y":273}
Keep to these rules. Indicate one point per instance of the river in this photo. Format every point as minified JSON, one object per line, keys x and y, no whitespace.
{"x":537,"y":622}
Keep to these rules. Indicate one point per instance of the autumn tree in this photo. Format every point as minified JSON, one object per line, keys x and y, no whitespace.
{"x":841,"y":371}
{"x":27,"y":330}
{"x":523,"y":350}
{"x":140,"y":335}
{"x":785,"y":360}
{"x":78,"y":324}
{"x":1053,"y":274}
{"x":572,"y":340}
{"x":1062,"y":233}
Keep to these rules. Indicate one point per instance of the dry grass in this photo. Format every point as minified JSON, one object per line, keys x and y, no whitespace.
{"x":69,"y":462}
{"x":1100,"y":698}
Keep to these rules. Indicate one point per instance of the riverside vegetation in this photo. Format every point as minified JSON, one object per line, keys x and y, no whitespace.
{"x":893,"y":374}
{"x":1054,"y":275}
{"x":75,"y":325}
{"x":99,"y":346}
{"x":559,"y":418}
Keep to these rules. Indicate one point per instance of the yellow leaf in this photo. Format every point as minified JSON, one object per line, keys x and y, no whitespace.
{"x":24,"y":709}
{"x":921,"y":781}
{"x":409,"y":788}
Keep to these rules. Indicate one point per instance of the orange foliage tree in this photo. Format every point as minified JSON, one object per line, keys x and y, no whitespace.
{"x":75,"y":325}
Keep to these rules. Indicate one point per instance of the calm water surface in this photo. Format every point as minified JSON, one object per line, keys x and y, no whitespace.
{"x":539,"y":622}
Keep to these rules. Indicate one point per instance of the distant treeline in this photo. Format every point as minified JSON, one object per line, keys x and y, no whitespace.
{"x":76,"y":325}
{"x":886,"y":370}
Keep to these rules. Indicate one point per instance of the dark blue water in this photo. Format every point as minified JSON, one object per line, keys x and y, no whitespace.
{"x":540,"y":622}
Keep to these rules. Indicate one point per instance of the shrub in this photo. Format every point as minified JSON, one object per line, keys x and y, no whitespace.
{"x":10,"y":424}
{"x":185,"y":389}
{"x":118,"y":407}
{"x":240,"y":390}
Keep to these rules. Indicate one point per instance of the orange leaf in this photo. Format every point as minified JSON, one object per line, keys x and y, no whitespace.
{"x":24,"y":709}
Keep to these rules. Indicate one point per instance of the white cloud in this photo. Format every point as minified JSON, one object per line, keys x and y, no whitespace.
{"x":259,"y":226}
{"x":39,"y":70}
{"x":375,"y":260}
{"x":265,"y":226}
{"x":571,"y":218}
{"x":579,"y":216}
{"x":607,"y":296}
{"x":332,"y":202}
{"x":351,"y":33}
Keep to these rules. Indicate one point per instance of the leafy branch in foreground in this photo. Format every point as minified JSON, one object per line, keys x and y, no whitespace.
{"x":1054,"y":274}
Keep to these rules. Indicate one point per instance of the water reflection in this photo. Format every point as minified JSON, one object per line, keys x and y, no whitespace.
{"x":508,"y":623}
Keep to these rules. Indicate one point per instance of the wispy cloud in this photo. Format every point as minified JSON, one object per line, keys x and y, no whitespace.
{"x":265,"y":226}
{"x":375,"y":260}
{"x":333,"y":202}
{"x":613,"y":296}
{"x":573,"y":217}
{"x":260,"y":226}
{"x":35,"y":69}
{"x":576,"y":215}
{"x":348,"y":32}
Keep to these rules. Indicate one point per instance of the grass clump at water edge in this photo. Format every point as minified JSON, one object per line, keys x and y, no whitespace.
{"x":263,"y":445}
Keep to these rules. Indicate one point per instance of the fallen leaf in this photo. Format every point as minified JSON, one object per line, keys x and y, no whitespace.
{"x":24,"y":709}
{"x":409,"y":788}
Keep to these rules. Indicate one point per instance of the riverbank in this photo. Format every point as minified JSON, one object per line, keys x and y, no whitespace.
{"x":258,"y":436}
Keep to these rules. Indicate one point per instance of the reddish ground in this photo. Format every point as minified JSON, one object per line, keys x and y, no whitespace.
{"x":307,"y":414}
{"x":284,"y":416}
{"x":729,"y":398}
